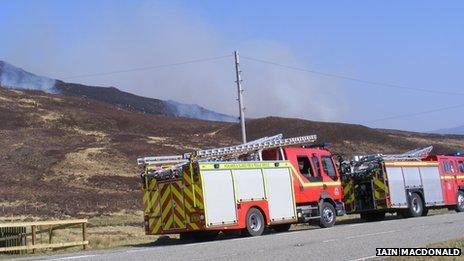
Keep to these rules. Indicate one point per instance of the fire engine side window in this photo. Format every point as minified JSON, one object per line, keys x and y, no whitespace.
{"x":317,"y":174}
{"x":461,"y":166}
{"x":447,"y":168}
{"x":328,"y":166}
{"x":304,"y":166}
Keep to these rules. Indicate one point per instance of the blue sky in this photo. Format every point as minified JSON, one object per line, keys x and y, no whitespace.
{"x":416,"y":44}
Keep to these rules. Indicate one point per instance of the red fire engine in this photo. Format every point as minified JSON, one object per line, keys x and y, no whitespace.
{"x":272,"y":182}
{"x":409,"y":184}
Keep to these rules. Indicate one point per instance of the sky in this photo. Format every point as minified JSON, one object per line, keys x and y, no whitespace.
{"x":403,"y":45}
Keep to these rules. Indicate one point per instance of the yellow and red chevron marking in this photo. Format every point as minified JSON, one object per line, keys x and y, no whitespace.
{"x":154,"y":225}
{"x":193,"y":200}
{"x":193,"y":194}
{"x":152,"y":207}
{"x":172,"y":205}
{"x":147,"y":203}
{"x":380,"y":192}
{"x":178,"y":204}
{"x":166,"y":205}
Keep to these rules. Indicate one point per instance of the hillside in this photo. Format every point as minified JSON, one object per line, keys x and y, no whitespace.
{"x":17,"y":78}
{"x":456,"y":130}
{"x":134,"y":102}
{"x":66,"y":155}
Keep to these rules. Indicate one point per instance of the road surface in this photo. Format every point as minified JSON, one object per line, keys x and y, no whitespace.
{"x":342,"y":242}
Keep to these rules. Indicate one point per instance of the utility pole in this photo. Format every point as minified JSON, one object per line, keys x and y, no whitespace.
{"x":240,"y":96}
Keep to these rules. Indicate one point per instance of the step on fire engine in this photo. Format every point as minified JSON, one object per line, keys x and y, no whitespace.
{"x":275,"y":182}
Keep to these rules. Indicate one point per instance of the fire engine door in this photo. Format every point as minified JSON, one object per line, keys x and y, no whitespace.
{"x":172,"y":205}
{"x":449,"y":181}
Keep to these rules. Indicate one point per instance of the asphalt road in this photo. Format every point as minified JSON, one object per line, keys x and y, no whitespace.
{"x":342,"y":242}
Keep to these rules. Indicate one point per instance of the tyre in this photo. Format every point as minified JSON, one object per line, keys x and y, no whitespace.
{"x":415,"y":208}
{"x":281,"y":227}
{"x":254,"y":223}
{"x":374,"y":216}
{"x":328,"y":215}
{"x":460,"y":201}
{"x":425,"y":212}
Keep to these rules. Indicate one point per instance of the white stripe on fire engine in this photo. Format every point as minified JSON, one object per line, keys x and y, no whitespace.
{"x":312,"y":184}
{"x":410,"y":163}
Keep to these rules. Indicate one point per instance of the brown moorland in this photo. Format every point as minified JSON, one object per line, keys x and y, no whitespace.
{"x":73,"y":156}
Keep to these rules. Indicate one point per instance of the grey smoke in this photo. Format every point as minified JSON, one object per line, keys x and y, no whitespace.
{"x":197,"y":112}
{"x":11,"y":76}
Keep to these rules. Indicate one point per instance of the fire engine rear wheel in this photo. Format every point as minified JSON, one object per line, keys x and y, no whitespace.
{"x":425,"y":212}
{"x":460,"y":202}
{"x":416,"y":206}
{"x":328,"y":215}
{"x":281,"y":227}
{"x":254,"y":223}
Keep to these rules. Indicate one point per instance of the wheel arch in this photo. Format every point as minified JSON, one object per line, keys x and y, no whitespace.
{"x":418,"y":191}
{"x":325,"y":197}
{"x":265,"y":216}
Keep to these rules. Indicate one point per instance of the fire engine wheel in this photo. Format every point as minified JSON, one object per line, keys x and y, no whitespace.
{"x":460,"y":202}
{"x":416,"y":206}
{"x":254,"y":223}
{"x":281,"y":227}
{"x":327,"y":215}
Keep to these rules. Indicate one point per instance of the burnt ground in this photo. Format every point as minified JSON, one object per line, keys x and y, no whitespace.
{"x":66,"y":155}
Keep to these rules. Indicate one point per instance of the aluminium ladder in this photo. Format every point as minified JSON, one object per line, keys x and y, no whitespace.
{"x":228,"y":152}
{"x":272,"y":142}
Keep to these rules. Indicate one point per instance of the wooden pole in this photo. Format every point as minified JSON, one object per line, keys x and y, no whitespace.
{"x":50,"y":232}
{"x":34,"y":228}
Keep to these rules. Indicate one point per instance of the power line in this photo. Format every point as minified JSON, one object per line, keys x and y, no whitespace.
{"x":344,"y":77}
{"x":148,"y":67}
{"x":416,"y":113}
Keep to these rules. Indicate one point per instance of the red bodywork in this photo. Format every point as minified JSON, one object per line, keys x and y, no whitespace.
{"x":311,"y":182}
{"x":308,"y":189}
{"x":451,"y":170}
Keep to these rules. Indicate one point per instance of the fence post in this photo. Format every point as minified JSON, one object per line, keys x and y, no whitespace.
{"x":50,"y":232}
{"x":34,"y":228}
{"x":84,"y":234}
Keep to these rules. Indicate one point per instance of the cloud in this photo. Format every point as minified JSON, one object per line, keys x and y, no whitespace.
{"x":157,"y":33}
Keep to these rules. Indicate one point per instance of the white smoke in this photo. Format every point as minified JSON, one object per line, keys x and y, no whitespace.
{"x":14,"y":77}
{"x":197,"y":112}
{"x":162,"y":33}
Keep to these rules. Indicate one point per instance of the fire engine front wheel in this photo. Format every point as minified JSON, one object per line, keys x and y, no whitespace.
{"x":327,"y":215}
{"x":254,"y":223}
{"x":460,"y":202}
